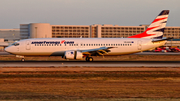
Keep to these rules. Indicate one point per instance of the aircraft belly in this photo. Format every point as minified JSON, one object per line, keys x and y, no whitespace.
{"x":57,"y":53}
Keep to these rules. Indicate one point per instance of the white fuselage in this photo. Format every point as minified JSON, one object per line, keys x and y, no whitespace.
{"x":58,"y":46}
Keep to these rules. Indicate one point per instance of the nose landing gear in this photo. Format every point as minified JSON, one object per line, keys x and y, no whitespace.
{"x":22,"y":57}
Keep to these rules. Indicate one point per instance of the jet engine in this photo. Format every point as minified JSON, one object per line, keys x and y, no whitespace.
{"x":73,"y":55}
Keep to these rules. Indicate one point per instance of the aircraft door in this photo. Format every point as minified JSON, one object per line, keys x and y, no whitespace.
{"x":139,"y":44}
{"x":28,"y":45}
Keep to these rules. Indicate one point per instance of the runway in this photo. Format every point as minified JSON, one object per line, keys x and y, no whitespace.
{"x":90,"y":64}
{"x":75,"y":63}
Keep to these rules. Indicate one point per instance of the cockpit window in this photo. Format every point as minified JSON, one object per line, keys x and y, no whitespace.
{"x":15,"y":44}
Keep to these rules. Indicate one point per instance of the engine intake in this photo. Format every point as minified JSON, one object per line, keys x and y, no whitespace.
{"x":73,"y":55}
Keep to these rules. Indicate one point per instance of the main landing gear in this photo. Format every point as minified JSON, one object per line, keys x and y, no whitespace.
{"x":22,"y":57}
{"x":89,"y":59}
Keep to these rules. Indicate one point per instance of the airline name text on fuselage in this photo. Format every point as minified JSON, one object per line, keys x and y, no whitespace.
{"x":52,"y":42}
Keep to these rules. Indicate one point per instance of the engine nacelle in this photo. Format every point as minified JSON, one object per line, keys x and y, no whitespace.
{"x":73,"y":55}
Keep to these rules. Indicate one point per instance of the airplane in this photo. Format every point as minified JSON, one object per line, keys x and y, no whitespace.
{"x":79,"y":48}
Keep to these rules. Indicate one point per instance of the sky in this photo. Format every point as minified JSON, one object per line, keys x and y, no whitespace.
{"x":86,"y":12}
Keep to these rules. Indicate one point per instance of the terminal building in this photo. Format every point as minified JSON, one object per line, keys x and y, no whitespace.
{"x":10,"y":35}
{"x":45,"y":30}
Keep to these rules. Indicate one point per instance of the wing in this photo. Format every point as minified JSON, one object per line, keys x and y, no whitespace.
{"x":97,"y":51}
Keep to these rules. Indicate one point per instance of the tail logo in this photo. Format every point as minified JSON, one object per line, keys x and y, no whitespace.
{"x":156,"y":28}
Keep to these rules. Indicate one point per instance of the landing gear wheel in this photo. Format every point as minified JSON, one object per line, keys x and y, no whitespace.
{"x":22,"y":59}
{"x":89,"y":59}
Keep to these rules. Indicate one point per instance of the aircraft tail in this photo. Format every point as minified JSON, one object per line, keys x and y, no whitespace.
{"x":156,"y":28}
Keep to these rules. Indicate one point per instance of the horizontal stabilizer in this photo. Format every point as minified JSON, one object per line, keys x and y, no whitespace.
{"x":156,"y":40}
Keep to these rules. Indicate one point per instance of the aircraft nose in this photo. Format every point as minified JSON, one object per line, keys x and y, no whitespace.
{"x":7,"y":49}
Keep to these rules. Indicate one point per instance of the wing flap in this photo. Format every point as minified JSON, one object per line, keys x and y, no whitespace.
{"x":97,"y":51}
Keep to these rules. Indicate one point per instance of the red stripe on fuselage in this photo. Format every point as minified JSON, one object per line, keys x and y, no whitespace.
{"x":144,"y":34}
